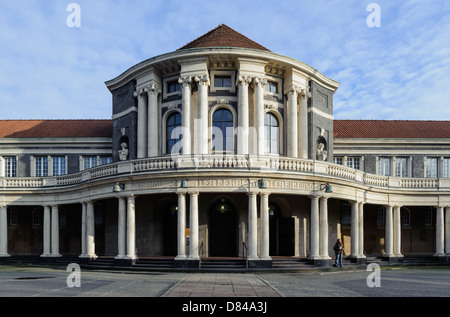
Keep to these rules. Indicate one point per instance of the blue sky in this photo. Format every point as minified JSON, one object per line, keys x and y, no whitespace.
{"x":400,"y":70}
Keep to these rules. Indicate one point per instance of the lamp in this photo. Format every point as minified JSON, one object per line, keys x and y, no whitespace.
{"x":118,"y":187}
{"x":327,"y":187}
{"x":184,"y":183}
{"x":262,"y":184}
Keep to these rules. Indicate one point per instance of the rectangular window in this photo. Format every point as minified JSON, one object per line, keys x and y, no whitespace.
{"x":10,"y":166}
{"x":106,"y":160}
{"x":59,"y":165}
{"x":346,"y":215}
{"x":222,"y":81}
{"x":431,"y":167}
{"x":384,"y":166}
{"x":429,"y":216}
{"x":401,"y":167}
{"x":337,"y":160}
{"x":446,"y":167}
{"x":90,"y":161}
{"x":272,"y":87}
{"x":353,"y":162}
{"x":381,"y":214}
{"x":41,"y":166}
{"x":173,"y":86}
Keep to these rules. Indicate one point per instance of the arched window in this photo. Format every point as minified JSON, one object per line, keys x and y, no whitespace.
{"x":173,"y":121}
{"x":271,"y":134}
{"x":223,"y":139}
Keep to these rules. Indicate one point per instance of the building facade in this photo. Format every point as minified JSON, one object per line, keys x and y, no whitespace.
{"x":224,"y":149}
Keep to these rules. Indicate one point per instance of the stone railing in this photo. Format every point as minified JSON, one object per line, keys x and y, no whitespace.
{"x":252,"y":163}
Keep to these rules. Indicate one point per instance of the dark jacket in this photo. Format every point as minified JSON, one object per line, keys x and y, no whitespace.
{"x":338,"y":248}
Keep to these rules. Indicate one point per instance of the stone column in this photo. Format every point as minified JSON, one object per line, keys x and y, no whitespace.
{"x":354,"y":230}
{"x":181,"y":236}
{"x":388,"y":241}
{"x":202,"y":114}
{"x":186,"y":117}
{"x":315,"y":230}
{"x":252,"y":228}
{"x":4,"y":231}
{"x":397,"y":231}
{"x":55,"y":232}
{"x":361,"y":230}
{"x":447,"y":231}
{"x":152,"y":121}
{"x":131,"y":229}
{"x":83,"y":230}
{"x":121,"y":225}
{"x":141,"y":124}
{"x":439,"y":231}
{"x":303,"y":124}
{"x":47,"y":232}
{"x":259,"y":114}
{"x":193,"y":227}
{"x":90,"y":230}
{"x":265,"y":227}
{"x":292,"y":122}
{"x":242,"y":129}
{"x":323,"y":248}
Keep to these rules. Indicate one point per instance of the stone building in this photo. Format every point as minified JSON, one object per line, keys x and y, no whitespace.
{"x":223,"y":148}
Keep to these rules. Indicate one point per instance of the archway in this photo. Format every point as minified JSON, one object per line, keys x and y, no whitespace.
{"x":222,"y":229}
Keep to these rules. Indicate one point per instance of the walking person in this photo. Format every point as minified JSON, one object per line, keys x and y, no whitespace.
{"x":338,"y":250}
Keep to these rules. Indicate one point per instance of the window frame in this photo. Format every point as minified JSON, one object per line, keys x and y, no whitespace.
{"x":271,"y":129}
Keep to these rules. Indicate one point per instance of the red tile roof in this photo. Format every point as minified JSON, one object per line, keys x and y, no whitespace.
{"x":224,"y":36}
{"x":55,"y":128}
{"x":389,"y":129}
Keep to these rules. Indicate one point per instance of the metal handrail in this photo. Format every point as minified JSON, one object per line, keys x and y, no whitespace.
{"x":244,"y":250}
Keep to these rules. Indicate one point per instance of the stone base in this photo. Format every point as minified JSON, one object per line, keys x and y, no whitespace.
{"x":358,"y":259}
{"x":444,"y":259}
{"x":391,"y":258}
{"x":259,"y":264}
{"x":124,"y":261}
{"x":322,"y":262}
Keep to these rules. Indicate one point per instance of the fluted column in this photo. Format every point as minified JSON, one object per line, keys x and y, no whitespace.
{"x":439,"y":231}
{"x":193,"y":227}
{"x":259,"y":114}
{"x":121,"y":228}
{"x":355,"y":230}
{"x":202,"y":114}
{"x":315,"y":228}
{"x":47,"y":232}
{"x":83,"y":229}
{"x":388,"y":241}
{"x":186,"y":117}
{"x":397,"y":231}
{"x":90,"y":230}
{"x":303,"y":124}
{"x":55,"y":232}
{"x":152,"y":121}
{"x":292,"y":122}
{"x":181,"y":236}
{"x":141,"y":124}
{"x":252,"y":227}
{"x":265,"y":241}
{"x":131,"y":228}
{"x":323,"y":249}
{"x":243,"y":115}
{"x":4,"y":231}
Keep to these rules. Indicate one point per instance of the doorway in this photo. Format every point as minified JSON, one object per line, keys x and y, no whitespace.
{"x":222,"y":229}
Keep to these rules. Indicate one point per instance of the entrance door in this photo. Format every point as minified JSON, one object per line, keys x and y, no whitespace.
{"x":222,"y":230}
{"x":287,"y":236}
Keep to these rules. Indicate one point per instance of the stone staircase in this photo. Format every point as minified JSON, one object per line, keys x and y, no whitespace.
{"x":223,"y":264}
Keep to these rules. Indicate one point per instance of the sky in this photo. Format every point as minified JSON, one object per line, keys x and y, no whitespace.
{"x":397,"y":69}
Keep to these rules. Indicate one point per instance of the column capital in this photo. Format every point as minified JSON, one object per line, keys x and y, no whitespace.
{"x":140,"y":92}
{"x":185,"y":81}
{"x":153,"y":89}
{"x":305,"y":93}
{"x":243,"y":80}
{"x":190,"y":193}
{"x":202,"y":80}
{"x":292,"y":90}
{"x":259,"y":81}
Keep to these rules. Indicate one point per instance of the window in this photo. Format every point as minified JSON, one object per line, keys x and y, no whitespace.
{"x":405,"y":217}
{"x":41,"y":166}
{"x":90,"y":161}
{"x":173,"y":121}
{"x":446,"y":167}
{"x":272,"y":87}
{"x":346,"y":215}
{"x":37,"y":216}
{"x":106,"y":160}
{"x":384,"y":166}
{"x":429,"y":216}
{"x":13,"y":216}
{"x":353,"y":162}
{"x":59,"y":165}
{"x":223,"y":120}
{"x":381,"y":215}
{"x":337,"y":160}
{"x":222,"y":81}
{"x":173,"y":86}
{"x":401,"y":167}
{"x":10,"y":166}
{"x":431,"y":167}
{"x":271,"y":134}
